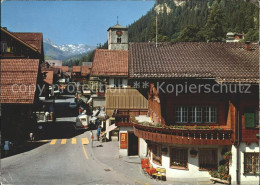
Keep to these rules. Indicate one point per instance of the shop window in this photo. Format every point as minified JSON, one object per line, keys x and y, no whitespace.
{"x":208,"y":159}
{"x":157,"y":154}
{"x":251,"y":163}
{"x":179,"y":158}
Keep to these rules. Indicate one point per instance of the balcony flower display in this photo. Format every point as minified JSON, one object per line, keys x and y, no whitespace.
{"x":222,"y":174}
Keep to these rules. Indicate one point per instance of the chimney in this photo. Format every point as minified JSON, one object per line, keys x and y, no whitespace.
{"x":247,"y":46}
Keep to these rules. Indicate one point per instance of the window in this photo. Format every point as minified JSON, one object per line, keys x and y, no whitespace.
{"x":210,"y":114}
{"x":118,"y":82}
{"x":182,"y":114}
{"x":251,"y":118}
{"x":157,"y":155}
{"x":196,"y":114}
{"x":208,"y":159}
{"x":179,"y":158}
{"x":3,"y":47}
{"x":118,"y":40}
{"x":251,"y":163}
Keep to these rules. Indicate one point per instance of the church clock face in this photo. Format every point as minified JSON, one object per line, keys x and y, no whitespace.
{"x":119,"y":33}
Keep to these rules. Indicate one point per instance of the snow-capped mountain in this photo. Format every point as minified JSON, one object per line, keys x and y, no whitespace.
{"x":64,"y":51}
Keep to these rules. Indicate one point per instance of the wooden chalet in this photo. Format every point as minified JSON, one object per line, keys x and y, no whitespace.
{"x":21,"y":57}
{"x":202,"y":101}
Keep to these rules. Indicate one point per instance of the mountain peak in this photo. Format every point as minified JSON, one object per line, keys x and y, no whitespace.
{"x":64,"y":51}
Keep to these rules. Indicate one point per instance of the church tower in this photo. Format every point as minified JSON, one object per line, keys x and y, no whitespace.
{"x":118,"y":38}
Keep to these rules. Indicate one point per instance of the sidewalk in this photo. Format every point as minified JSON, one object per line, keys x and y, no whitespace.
{"x":108,"y":154}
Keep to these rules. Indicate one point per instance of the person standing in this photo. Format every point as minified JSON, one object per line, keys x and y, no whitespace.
{"x":51,"y":110}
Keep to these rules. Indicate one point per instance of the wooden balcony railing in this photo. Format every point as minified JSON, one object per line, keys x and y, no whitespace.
{"x":123,"y":121}
{"x":122,"y":116}
{"x":183,"y":136}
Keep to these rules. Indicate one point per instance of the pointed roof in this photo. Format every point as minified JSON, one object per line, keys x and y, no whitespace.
{"x":117,"y":26}
{"x":31,"y":40}
{"x":34,"y":39}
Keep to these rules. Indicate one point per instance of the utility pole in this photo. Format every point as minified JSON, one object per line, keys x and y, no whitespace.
{"x":156,"y":22}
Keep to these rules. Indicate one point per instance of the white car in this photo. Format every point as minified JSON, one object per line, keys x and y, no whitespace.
{"x":72,"y":105}
{"x":82,"y":122}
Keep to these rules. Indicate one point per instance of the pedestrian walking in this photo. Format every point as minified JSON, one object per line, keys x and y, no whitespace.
{"x":6,"y":148}
{"x":98,"y":132}
{"x":80,"y":110}
{"x":92,"y":138}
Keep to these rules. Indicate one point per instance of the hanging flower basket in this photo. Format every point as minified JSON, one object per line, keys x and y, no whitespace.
{"x":193,"y":153}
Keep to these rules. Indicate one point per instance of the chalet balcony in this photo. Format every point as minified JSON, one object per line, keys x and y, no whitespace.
{"x":123,"y":121}
{"x":122,"y":116}
{"x":181,"y":135}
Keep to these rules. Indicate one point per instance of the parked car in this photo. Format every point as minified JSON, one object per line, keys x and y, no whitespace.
{"x":72,"y":105}
{"x":82,"y":122}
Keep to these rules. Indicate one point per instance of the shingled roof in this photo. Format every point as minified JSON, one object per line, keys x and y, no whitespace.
{"x":76,"y":69}
{"x":225,"y":62}
{"x":85,"y":70}
{"x":49,"y":77}
{"x":33,"y":39}
{"x":110,"y":63}
{"x":16,"y":73}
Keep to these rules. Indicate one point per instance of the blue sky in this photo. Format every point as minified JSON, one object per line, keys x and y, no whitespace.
{"x":71,"y":22}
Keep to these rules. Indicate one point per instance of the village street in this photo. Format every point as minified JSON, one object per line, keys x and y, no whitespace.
{"x":66,"y":157}
{"x":63,"y":158}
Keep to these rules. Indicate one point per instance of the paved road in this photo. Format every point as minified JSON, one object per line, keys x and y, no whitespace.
{"x":61,"y":161}
{"x":63,"y":157}
{"x":66,"y":157}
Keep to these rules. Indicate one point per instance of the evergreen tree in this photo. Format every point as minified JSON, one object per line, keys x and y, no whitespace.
{"x":214,"y":28}
{"x":252,"y":35}
{"x":190,"y":34}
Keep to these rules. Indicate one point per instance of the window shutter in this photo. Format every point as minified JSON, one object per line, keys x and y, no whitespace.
{"x":250,"y":120}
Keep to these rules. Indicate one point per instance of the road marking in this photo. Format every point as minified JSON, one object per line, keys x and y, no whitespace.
{"x":85,"y":141}
{"x":53,"y":142}
{"x":63,"y":141}
{"x":85,"y":152}
{"x":44,"y":140}
{"x":73,"y":141}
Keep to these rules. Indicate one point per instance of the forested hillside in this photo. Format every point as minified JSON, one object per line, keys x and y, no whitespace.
{"x":175,"y":17}
{"x":195,"y":21}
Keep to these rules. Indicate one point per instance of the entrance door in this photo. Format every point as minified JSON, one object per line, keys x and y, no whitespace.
{"x":132,"y":144}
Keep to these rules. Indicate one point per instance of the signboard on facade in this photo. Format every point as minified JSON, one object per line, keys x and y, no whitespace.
{"x":123,"y":140}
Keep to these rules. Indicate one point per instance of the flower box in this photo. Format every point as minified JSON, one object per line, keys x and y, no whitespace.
{"x":214,"y":180}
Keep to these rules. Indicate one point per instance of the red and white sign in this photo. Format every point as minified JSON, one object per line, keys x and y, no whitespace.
{"x":123,"y":141}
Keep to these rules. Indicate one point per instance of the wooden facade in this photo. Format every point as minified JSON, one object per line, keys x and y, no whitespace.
{"x":124,"y":99}
{"x":12,"y":47}
{"x":231,"y":110}
{"x":21,"y":56}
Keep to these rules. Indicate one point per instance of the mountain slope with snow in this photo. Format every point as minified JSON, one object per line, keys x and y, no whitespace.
{"x":65,"y":51}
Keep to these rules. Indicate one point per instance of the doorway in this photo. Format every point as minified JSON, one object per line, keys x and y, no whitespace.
{"x":132,"y":144}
